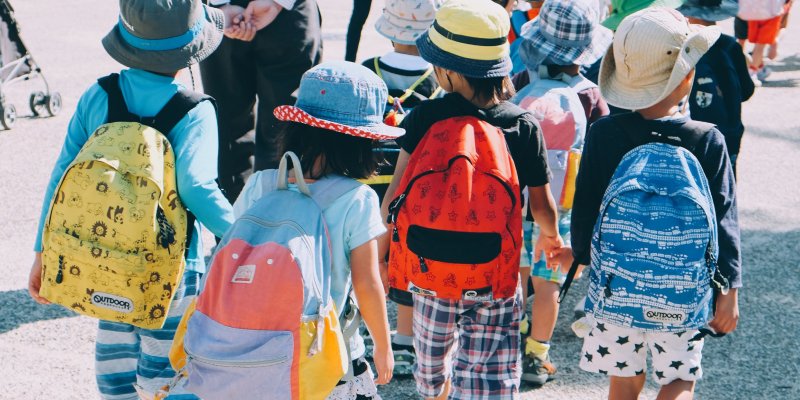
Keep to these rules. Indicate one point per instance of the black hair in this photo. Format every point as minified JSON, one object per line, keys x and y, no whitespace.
{"x":341,"y":154}
{"x":490,"y":88}
{"x":503,"y":3}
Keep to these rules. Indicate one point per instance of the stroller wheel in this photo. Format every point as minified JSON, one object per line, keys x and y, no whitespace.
{"x":9,"y":117}
{"x":53,"y":103}
{"x":37,"y":103}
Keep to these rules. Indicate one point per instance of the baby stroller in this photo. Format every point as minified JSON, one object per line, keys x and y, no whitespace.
{"x":17,"y":65}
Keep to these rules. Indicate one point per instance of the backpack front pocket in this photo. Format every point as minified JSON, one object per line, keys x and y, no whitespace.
{"x":231,"y":363}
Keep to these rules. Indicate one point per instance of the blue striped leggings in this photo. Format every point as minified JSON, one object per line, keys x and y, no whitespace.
{"x":126,"y":355}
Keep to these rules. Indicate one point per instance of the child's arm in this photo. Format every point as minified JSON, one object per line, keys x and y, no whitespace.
{"x":195,"y":143}
{"x":78,"y":133}
{"x":543,"y":209}
{"x":370,"y":295}
{"x":383,"y":241}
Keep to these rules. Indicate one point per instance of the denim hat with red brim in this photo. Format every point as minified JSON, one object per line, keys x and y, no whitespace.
{"x":164,"y":36}
{"x":343,"y":97}
{"x":469,"y":37}
{"x":710,"y":10}
{"x":567,"y":32}
{"x":622,"y":8}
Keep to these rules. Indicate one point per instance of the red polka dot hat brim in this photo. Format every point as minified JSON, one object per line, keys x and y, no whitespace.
{"x":377,"y":131}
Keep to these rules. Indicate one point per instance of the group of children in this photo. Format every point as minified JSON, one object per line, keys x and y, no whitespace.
{"x":451,"y":70}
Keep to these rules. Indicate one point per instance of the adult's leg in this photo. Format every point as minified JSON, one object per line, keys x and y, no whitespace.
{"x":357,"y":20}
{"x":229,"y":76}
{"x":284,"y":50}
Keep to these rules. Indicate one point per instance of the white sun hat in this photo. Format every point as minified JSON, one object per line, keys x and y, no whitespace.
{"x":653,"y":51}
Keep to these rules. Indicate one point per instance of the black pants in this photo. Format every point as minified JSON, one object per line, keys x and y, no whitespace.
{"x":268,"y":69}
{"x":357,"y":20}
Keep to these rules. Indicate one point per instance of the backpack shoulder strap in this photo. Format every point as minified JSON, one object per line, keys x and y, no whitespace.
{"x":685,"y":135}
{"x":330,"y":188}
{"x":117,"y":108}
{"x":176,"y":108}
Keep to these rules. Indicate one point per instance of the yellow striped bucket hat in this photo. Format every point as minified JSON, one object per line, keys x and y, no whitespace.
{"x":469,"y":37}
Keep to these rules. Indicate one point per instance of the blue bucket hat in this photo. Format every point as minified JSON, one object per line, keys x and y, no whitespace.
{"x":164,"y":36}
{"x":343,"y":97}
{"x":566,"y":32}
{"x":710,"y":10}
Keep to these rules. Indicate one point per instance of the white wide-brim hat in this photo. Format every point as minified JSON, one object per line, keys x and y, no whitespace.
{"x":653,"y":51}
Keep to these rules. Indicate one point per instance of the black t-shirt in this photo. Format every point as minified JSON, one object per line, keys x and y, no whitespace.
{"x":721,"y":84}
{"x":521,"y":130}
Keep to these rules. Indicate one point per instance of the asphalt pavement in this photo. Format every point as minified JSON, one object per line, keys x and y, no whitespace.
{"x":46,"y":353}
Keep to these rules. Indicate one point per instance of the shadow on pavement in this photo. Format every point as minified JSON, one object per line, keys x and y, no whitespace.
{"x":786,"y":135}
{"x":791,"y":63}
{"x":17,"y":308}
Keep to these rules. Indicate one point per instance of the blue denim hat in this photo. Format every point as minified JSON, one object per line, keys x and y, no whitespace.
{"x":344,"y":97}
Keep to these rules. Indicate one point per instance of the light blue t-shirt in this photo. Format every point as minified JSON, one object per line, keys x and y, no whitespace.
{"x":194,"y":141}
{"x":353,"y":220}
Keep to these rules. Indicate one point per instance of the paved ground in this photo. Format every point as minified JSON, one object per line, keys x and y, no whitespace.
{"x":46,"y":353}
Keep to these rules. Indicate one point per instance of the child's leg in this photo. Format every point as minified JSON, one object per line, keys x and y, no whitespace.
{"x":677,"y":390}
{"x":758,"y":56}
{"x":403,"y":341}
{"x":627,"y":388}
{"x":361,"y":387}
{"x":545,"y":310}
{"x":154,"y":370}
{"x":435,"y":335}
{"x":487,"y":360}
{"x":618,"y":352}
{"x":116,"y":356}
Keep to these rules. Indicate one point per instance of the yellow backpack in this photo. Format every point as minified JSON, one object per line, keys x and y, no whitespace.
{"x":115,"y":235}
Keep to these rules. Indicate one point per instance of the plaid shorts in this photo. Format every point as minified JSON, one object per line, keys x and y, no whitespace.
{"x":475,"y":343}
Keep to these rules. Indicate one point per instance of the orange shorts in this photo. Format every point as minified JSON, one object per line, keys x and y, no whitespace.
{"x":764,"y":32}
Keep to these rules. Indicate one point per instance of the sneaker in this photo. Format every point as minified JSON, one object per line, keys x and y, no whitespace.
{"x":754,"y":77}
{"x":763,"y":74}
{"x":404,"y":359}
{"x":536,"y":371}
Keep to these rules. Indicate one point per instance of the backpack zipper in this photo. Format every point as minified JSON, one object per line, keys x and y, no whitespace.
{"x":607,"y":290}
{"x":239,"y":364}
{"x":423,"y":266}
{"x":60,"y":274}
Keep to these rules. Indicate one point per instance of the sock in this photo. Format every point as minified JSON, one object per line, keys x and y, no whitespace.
{"x":537,"y":349}
{"x":403,"y":340}
{"x":524,"y":325}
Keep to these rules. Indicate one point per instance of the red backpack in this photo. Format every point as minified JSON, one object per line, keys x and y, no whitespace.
{"x":457,"y":225}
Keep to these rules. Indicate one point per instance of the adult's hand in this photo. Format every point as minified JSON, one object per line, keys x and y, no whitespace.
{"x":261,"y":13}
{"x":235,"y":26}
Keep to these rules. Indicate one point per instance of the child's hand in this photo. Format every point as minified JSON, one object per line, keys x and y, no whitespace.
{"x":35,"y":280}
{"x":726,"y":315}
{"x":384,"y":364}
{"x":548,"y":245}
{"x":563,"y":259}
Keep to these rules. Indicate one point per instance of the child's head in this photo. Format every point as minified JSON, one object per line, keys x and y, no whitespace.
{"x":653,"y":59}
{"x":623,"y":8}
{"x":403,"y":21}
{"x":336,"y":120}
{"x":709,"y":12}
{"x":164,"y":37}
{"x":566,"y":33}
{"x":469,"y":47}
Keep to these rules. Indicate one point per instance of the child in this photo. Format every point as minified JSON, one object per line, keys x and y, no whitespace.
{"x":721,"y":82}
{"x":330,"y":141}
{"x":566,"y":35}
{"x":128,"y":355}
{"x":410,"y":80}
{"x":520,"y":13}
{"x":763,"y":19}
{"x":472,"y":64}
{"x":654,"y":45}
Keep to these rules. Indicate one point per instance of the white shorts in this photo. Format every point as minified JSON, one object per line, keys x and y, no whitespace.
{"x":618,"y":351}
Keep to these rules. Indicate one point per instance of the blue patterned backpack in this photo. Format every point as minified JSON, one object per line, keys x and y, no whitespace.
{"x":654,"y":247}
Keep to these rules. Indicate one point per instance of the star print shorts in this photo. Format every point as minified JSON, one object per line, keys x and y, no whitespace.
{"x":618,"y":351}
